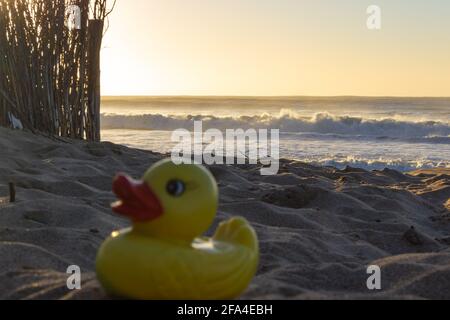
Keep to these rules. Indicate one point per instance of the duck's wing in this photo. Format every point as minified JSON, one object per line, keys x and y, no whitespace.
{"x":228,"y":268}
{"x":238,"y":231}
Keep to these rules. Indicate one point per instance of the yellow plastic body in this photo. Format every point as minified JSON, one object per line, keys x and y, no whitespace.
{"x":134,"y":266}
{"x":149,"y":260}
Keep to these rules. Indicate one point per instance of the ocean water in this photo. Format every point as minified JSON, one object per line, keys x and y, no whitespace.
{"x":371,"y":133}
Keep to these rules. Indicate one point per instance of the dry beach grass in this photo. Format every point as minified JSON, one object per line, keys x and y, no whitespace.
{"x":319,"y":228}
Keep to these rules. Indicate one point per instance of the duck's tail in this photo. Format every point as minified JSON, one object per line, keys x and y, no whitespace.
{"x":237,"y":230}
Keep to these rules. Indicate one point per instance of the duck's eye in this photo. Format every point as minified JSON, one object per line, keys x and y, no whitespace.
{"x":175,"y":188}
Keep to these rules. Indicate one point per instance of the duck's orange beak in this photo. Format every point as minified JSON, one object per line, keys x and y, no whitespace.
{"x":136,"y":200}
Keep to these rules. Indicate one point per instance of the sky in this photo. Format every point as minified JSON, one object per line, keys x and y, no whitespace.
{"x":277,"y":48}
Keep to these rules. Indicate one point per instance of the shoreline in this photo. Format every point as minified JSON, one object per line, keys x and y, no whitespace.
{"x":319,"y":227}
{"x":410,"y":161}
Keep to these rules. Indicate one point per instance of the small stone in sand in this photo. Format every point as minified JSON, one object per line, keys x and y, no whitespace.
{"x":413,"y":237}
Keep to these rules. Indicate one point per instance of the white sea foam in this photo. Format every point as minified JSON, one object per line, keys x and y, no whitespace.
{"x":288,"y":122}
{"x":380,"y":164}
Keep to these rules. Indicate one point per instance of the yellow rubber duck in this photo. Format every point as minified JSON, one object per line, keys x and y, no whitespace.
{"x":163,"y":256}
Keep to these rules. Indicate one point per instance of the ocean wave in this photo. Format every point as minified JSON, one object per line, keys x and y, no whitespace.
{"x":320,"y":123}
{"x":379,"y":164}
{"x":332,"y":136}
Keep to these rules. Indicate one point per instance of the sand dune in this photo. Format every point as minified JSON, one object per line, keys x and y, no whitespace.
{"x":319,"y":228}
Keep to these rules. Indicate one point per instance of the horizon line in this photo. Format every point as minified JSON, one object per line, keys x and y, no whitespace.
{"x":273,"y":96}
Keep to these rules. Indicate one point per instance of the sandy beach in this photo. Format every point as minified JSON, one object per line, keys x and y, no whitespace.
{"x":319,"y":227}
